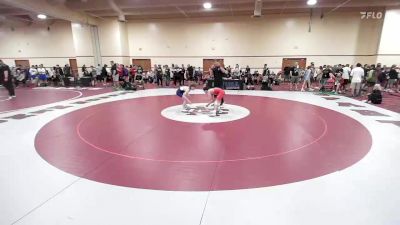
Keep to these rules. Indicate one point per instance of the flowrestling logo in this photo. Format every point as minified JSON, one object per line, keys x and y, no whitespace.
{"x":371,"y":15}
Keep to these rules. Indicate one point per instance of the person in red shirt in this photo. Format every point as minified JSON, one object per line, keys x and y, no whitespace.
{"x":216,"y":96}
{"x":132,"y":72}
{"x":120,"y":70}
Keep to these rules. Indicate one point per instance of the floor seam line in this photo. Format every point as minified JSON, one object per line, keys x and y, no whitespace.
{"x":209,"y":192}
{"x":43,"y":203}
{"x":62,"y":190}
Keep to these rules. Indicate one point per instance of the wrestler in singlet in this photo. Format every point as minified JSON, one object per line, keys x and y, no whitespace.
{"x":216,"y":96}
{"x":183,"y":92}
{"x":218,"y":93}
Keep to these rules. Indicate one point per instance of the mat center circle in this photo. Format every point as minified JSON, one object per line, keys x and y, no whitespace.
{"x":198,"y":113}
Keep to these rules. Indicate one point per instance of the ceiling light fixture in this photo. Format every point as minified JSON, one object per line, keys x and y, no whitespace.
{"x":311,"y":2}
{"x":42,"y":16}
{"x":207,"y":5}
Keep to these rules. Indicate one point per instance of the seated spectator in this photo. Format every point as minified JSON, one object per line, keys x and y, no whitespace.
{"x":256,"y":77}
{"x":248,"y":79}
{"x":127,"y":86}
{"x":236,"y":72}
{"x":247,"y":69}
{"x":149,"y":77}
{"x":275,"y":79}
{"x":20,"y":76}
{"x":139,"y":80}
{"x":54,"y":76}
{"x":376,"y":96}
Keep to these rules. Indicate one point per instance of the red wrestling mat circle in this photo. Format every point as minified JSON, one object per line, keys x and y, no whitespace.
{"x":129,"y":143}
{"x":34,"y":97}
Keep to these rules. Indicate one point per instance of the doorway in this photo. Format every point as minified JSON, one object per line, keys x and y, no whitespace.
{"x":145,"y":63}
{"x":23,"y":64}
{"x":74,"y":67}
{"x":290,"y":62}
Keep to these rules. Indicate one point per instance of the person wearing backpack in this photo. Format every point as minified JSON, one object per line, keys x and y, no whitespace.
{"x":371,"y":78}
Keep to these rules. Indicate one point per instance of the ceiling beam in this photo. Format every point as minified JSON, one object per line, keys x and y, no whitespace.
{"x":281,"y":6}
{"x":13,"y":21}
{"x":12,"y":11}
{"x":185,"y":5}
{"x":58,"y":11}
{"x":181,"y":11}
{"x":187,"y":12}
{"x":121,"y":15}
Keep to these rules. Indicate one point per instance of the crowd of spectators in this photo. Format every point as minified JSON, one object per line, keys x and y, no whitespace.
{"x":339,"y":79}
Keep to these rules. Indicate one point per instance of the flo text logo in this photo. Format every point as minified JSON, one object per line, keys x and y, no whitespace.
{"x":371,"y":15}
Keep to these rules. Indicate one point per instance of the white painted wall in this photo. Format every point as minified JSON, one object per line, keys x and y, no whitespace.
{"x":389,"y":49}
{"x":113,"y":41}
{"x":83,"y":46}
{"x":338,"y":38}
{"x":38,"y":44}
{"x":334,"y":39}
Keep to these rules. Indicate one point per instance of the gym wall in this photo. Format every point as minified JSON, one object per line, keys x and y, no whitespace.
{"x":389,"y":48}
{"x":336,"y":38}
{"x":37,"y":43}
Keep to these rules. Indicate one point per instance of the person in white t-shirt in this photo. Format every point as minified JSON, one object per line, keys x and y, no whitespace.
{"x":42,"y":75}
{"x":98,"y":70}
{"x":357,"y":75}
{"x":236,"y":72}
{"x":33,"y":74}
{"x":346,"y":76}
